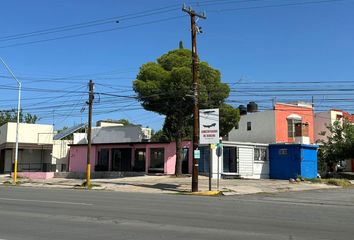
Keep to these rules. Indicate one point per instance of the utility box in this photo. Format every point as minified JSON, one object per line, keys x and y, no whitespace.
{"x":292,"y":160}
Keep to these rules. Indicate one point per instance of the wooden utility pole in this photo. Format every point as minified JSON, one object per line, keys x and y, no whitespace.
{"x":194,"y":30}
{"x":88,"y":167}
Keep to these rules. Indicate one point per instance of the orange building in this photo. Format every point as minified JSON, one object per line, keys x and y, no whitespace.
{"x":293,"y":123}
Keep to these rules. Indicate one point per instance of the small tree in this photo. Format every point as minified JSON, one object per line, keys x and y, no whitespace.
{"x":125,"y":122}
{"x":11,"y":116}
{"x":338,"y":146}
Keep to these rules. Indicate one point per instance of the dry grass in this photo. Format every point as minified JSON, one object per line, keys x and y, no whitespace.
{"x":331,"y":181}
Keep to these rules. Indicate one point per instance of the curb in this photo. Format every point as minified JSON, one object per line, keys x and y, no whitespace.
{"x":205,"y":193}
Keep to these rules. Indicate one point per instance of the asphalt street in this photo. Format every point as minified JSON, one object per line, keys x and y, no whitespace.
{"x":34,"y":213}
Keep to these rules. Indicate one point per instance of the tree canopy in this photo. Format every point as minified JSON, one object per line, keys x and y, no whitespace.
{"x":338,"y":146}
{"x":125,"y":122}
{"x":159,"y":136}
{"x":11,"y":116}
{"x":165,"y":87}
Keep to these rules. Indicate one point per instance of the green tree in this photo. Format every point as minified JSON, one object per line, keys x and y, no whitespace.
{"x":180,"y":45}
{"x":338,"y":146}
{"x":165,"y":87}
{"x":160,"y":136}
{"x":11,"y":116}
{"x":125,"y":122}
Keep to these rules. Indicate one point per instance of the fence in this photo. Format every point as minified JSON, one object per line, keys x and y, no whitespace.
{"x":40,"y":167}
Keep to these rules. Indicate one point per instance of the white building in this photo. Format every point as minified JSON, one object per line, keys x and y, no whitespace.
{"x":115,"y":133}
{"x":35,"y":147}
{"x":255,"y":127}
{"x":239,"y":159}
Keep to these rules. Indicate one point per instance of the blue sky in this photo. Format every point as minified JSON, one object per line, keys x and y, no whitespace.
{"x":254,"y":44}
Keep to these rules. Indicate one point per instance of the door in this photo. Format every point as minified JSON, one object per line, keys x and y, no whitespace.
{"x":185,"y":160}
{"x":140,"y":158}
{"x":2,"y":161}
{"x":103,"y":159}
{"x":230,"y":159}
{"x":121,"y":159}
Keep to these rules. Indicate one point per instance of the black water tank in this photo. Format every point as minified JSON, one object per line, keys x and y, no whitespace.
{"x":243,"y":109}
{"x":252,"y":107}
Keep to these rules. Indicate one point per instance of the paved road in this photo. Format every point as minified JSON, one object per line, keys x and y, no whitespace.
{"x":30,"y":213}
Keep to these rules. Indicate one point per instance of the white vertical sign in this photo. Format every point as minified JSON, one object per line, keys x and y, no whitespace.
{"x":209,"y":126}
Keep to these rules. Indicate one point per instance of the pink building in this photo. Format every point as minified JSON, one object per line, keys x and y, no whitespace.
{"x":130,"y":157}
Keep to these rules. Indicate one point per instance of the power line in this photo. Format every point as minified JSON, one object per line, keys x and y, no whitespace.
{"x":274,"y":5}
{"x":91,"y":33}
{"x":90,"y":23}
{"x":334,"y":81}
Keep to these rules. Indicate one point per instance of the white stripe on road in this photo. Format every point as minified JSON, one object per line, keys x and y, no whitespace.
{"x":44,"y":201}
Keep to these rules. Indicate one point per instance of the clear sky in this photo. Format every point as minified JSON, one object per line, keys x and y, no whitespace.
{"x":265,"y":49}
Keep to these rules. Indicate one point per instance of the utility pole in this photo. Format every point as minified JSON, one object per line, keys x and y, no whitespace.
{"x":194,"y":30}
{"x":18,"y":119}
{"x":90,"y":102}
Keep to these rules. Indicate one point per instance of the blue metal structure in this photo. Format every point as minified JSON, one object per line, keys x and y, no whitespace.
{"x":292,"y":160}
{"x":68,"y":131}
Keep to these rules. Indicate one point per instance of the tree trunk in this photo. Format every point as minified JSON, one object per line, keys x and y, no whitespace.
{"x":178,"y":166}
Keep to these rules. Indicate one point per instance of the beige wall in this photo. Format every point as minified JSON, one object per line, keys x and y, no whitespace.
{"x":28,"y":133}
{"x":60,"y":152}
{"x":8,"y":160}
{"x":3,"y":134}
{"x":322,"y":119}
{"x":262,"y":128}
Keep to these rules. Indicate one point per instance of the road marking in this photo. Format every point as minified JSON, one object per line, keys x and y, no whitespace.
{"x":44,"y":201}
{"x":296,"y":202}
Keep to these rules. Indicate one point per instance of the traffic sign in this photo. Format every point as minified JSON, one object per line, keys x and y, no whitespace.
{"x":219,"y":150}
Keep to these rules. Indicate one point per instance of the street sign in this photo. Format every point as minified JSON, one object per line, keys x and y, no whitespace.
{"x":197,"y":154}
{"x":209,"y":126}
{"x":219,"y":150}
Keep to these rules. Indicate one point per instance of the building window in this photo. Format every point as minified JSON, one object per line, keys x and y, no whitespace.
{"x":203,"y":166}
{"x":140,"y":158}
{"x":260,"y":154}
{"x":157,"y":159}
{"x":283,"y":151}
{"x":121,"y":159}
{"x":291,"y":126}
{"x":248,"y":126}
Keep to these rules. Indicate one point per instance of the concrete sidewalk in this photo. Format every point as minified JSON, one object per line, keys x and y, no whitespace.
{"x":171,"y":184}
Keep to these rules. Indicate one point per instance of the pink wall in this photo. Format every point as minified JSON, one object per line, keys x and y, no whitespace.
{"x":77,"y":161}
{"x":35,"y":175}
{"x":282,"y":111}
{"x":78,"y":158}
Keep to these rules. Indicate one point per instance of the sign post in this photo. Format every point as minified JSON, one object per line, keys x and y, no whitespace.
{"x":209,"y":133}
{"x":219,"y":154}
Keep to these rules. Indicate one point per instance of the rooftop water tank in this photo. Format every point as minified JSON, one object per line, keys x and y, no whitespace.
{"x":243,"y":109}
{"x":252,"y":107}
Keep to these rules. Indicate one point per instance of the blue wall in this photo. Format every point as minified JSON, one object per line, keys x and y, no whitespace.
{"x":291,"y":160}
